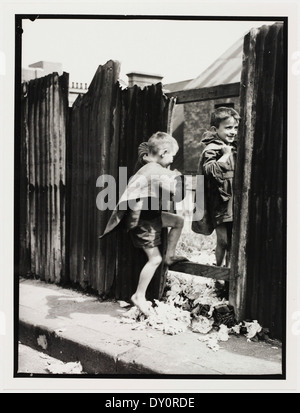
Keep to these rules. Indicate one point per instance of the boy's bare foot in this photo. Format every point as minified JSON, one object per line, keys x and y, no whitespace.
{"x":141,"y":304}
{"x":176,"y":258}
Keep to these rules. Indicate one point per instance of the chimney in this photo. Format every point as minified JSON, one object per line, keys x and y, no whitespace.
{"x":143,"y":79}
{"x":47,"y":67}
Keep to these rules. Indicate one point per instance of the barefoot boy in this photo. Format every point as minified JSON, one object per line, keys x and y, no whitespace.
{"x":145,"y":219}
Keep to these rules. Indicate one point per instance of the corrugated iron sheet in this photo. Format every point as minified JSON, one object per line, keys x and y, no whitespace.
{"x":43,"y":178}
{"x":258,"y":272}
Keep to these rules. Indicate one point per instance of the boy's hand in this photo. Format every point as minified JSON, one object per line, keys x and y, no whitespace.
{"x":176,"y":172}
{"x":226,"y":150}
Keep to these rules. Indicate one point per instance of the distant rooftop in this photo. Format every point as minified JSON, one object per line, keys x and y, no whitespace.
{"x":226,"y":69}
{"x":174,"y":87}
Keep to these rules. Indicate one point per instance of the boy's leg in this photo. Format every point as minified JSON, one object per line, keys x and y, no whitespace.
{"x":223,"y":247}
{"x":139,"y":297}
{"x":229,"y":239}
{"x":222,"y":243}
{"x":175,"y":222}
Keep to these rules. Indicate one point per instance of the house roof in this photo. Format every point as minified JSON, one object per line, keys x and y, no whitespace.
{"x":226,"y":69}
{"x":173,"y":87}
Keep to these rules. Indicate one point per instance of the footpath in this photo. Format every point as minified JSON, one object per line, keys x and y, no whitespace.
{"x":75,"y":327}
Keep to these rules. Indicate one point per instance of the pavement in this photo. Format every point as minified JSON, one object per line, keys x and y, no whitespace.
{"x":76,"y":327}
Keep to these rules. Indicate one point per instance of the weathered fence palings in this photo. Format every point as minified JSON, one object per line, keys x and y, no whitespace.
{"x":108,"y":124}
{"x":93,"y":152}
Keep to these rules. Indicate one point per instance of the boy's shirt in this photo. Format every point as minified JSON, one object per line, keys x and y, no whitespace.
{"x":218,"y":171}
{"x":218,"y":185}
{"x":147,"y":183}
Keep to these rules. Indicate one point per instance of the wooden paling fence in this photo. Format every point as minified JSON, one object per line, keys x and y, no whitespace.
{"x":42,"y":218}
{"x":108,"y":123}
{"x":62,"y":155}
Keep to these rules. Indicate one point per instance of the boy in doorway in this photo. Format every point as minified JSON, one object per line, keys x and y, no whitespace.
{"x":144,"y":195}
{"x":217,"y":163}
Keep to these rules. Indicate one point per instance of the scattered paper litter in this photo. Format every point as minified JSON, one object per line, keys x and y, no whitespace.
{"x":188,"y":302}
{"x":214,"y":337}
{"x":201,"y":324}
{"x":133,"y":313}
{"x":222,"y":334}
{"x":211,"y":341}
{"x":168,"y":318}
{"x":42,"y":341}
{"x":235,"y":329}
{"x":165,"y":317}
{"x":183,"y":289}
{"x":252,"y":329}
{"x":213,"y":344}
{"x":65,"y":368}
{"x":123,"y":304}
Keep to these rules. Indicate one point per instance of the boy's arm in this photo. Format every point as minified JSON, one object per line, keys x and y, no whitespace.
{"x":226,"y":152}
{"x":214,"y":166}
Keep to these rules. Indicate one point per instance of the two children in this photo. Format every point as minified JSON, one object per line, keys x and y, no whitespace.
{"x":144,"y":213}
{"x":153,"y":183}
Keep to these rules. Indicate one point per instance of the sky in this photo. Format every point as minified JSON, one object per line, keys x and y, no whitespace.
{"x":176,"y":50}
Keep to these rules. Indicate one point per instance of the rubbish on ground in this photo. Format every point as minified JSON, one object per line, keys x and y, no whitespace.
{"x":42,"y":341}
{"x":252,"y":328}
{"x":222,"y":334}
{"x":65,"y":368}
{"x":165,"y":317}
{"x":224,"y":314}
{"x":123,"y":304}
{"x":133,"y":313}
{"x":235,"y":329}
{"x":191,"y":303}
{"x":263,"y":334}
{"x":201,"y":324}
{"x":213,"y":344}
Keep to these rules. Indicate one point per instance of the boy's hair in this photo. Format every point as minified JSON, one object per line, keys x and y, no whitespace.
{"x":221,"y":114}
{"x":159,"y":140}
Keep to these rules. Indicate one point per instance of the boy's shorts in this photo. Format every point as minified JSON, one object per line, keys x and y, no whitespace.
{"x":148,"y":233}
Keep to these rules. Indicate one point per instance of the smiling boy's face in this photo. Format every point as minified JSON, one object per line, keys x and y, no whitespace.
{"x":227,"y":129}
